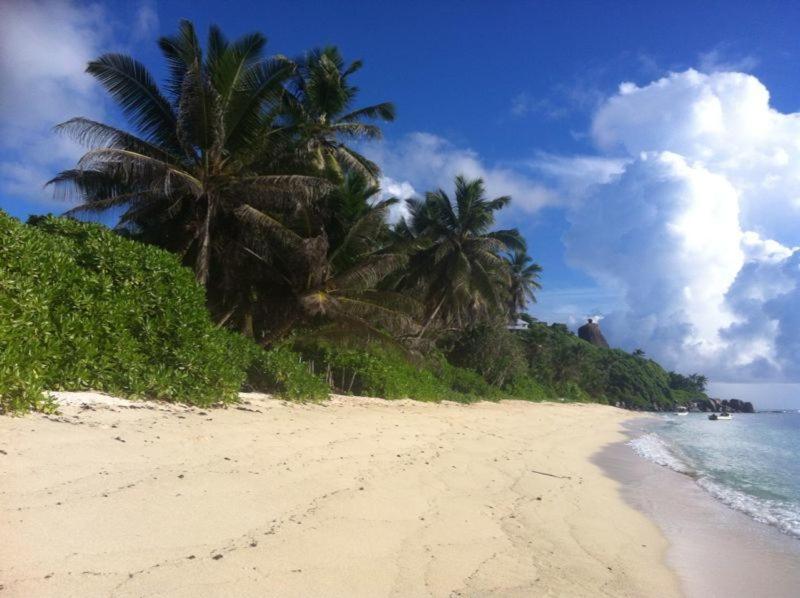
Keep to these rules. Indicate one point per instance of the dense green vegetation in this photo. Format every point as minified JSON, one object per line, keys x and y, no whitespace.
{"x":243,"y":165}
{"x":578,"y":370}
{"x":242,"y":168}
{"x":83,"y":308}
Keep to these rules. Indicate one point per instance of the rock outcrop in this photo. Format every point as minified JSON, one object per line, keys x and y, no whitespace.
{"x":716,"y":405}
{"x":590,"y":332}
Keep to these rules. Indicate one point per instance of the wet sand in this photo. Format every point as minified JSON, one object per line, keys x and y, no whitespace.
{"x":716,"y":551}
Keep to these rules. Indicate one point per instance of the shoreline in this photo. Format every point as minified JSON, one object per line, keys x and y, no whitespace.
{"x":355,"y":497}
{"x":714,"y":550}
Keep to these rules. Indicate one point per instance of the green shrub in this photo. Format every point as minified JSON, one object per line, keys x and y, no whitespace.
{"x":83,"y":308}
{"x":468,"y":382}
{"x":381,"y":371}
{"x":491,"y":350}
{"x":526,"y":388}
{"x":283,"y":372}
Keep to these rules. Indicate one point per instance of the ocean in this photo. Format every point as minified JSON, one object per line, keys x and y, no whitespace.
{"x":750,"y":463}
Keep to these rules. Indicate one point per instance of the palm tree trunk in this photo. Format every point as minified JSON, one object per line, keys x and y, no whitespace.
{"x":431,"y":317}
{"x":352,"y":381}
{"x":204,"y":254}
{"x":247,"y":322}
{"x":220,"y":322}
{"x":281,"y":330}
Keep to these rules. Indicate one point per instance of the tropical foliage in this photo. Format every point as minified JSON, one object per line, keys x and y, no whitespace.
{"x":227,"y":166}
{"x":459,"y":270}
{"x":82,"y":308}
{"x":248,"y":169}
{"x":319,"y":115}
{"x":524,"y":277}
{"x":243,"y":164}
{"x":575,"y":369}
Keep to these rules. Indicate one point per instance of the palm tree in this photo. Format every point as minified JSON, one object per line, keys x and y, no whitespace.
{"x":207,"y":152}
{"x":458,"y":272}
{"x":698,"y":382}
{"x":354,"y":197}
{"x":524,"y":274}
{"x":320,"y":114}
{"x":328,"y":265}
{"x":194,"y":157}
{"x":191,"y":160}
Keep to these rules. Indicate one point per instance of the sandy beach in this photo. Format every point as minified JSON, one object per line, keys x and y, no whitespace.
{"x":354,"y":497}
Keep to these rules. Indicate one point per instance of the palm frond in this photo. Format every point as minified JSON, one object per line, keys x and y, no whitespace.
{"x":304,"y":187}
{"x":511,"y":238}
{"x":384,"y":111}
{"x":356,"y":130}
{"x":484,"y":244}
{"x":368,"y":273}
{"x":181,"y":51}
{"x":100,"y":205}
{"x":365,"y":229}
{"x":354,"y":66}
{"x":376,"y":312}
{"x":135,"y":90}
{"x":86,"y":184}
{"x":271,"y":226}
{"x":200,"y":123}
{"x":355,"y":162}
{"x":136,"y":168}
{"x":94,"y":134}
{"x":260,"y":84}
{"x":229,"y":66}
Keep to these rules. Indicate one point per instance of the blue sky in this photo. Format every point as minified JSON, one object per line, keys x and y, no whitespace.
{"x":528,"y":95}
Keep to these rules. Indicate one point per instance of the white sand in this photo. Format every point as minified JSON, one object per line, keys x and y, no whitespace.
{"x":356,"y":497}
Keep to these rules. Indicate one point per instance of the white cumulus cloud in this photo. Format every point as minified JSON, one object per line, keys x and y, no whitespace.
{"x":725,"y":122}
{"x":699,"y":226}
{"x":688,"y":215}
{"x":44,"y":48}
{"x":400,"y":190}
{"x":425,"y":162}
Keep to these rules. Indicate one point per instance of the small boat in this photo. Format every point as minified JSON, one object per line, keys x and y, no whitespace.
{"x":718,"y":416}
{"x":681,"y":411}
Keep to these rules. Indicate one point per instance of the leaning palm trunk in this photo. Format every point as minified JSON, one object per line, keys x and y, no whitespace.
{"x":203,"y":264}
{"x":431,"y":318}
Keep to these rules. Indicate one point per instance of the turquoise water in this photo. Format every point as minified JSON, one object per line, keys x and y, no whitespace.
{"x":751,"y":463}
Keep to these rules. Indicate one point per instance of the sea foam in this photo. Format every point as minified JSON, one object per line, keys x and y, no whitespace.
{"x":653,"y":448}
{"x":783,"y":515}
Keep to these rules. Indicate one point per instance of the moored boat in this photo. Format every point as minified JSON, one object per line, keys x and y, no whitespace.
{"x":719,"y":416}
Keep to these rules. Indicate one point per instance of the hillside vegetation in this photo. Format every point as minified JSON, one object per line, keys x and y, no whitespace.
{"x":576,"y":369}
{"x":83,"y":308}
{"x":252,"y":245}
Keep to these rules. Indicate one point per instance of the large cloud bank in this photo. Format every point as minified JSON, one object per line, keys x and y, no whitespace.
{"x":699,"y":229}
